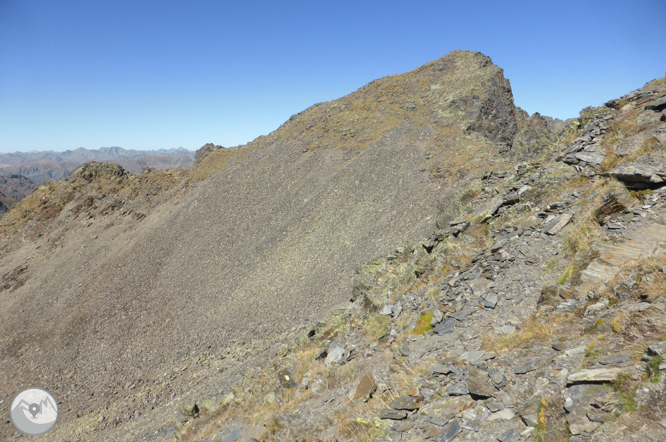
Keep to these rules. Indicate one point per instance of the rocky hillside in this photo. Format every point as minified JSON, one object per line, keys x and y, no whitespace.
{"x":418,"y":260}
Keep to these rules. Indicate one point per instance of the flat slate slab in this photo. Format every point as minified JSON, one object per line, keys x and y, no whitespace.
{"x":449,"y":432}
{"x":407,"y":403}
{"x":395,"y":415}
{"x":619,"y":359}
{"x":462,"y":314}
{"x":511,"y":435}
{"x":445,"y":327}
{"x":658,"y":349}
{"x":440,"y":369}
{"x":446,"y":408}
{"x":595,"y":375}
{"x":556,"y":226}
{"x":532,"y":365}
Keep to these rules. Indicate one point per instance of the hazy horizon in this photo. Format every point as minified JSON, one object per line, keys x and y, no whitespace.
{"x":99,"y":148}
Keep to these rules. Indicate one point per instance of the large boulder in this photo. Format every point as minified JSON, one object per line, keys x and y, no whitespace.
{"x":646,"y":171}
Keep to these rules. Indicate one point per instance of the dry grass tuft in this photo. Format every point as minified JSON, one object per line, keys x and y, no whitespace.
{"x":532,"y":332}
{"x":377,"y":326}
{"x":586,"y":228}
{"x":625,"y":126}
{"x":579,"y":239}
{"x":220,"y":159}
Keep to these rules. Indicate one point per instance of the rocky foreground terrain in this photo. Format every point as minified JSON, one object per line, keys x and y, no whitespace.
{"x":419,"y":260}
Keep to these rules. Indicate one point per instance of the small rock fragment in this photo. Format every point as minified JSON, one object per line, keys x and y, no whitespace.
{"x":533,"y":365}
{"x":462,"y":314}
{"x":335,"y":353}
{"x":366,"y":386}
{"x":440,"y":369}
{"x":387,"y":310}
{"x":597,"y":308}
{"x":615,"y":360}
{"x":407,"y":403}
{"x":509,"y":436}
{"x":583,"y":427}
{"x":505,"y":414}
{"x":233,"y":436}
{"x":506,"y":330}
{"x":449,"y":432}
{"x":497,"y":377}
{"x":458,"y":389}
{"x":440,"y":422}
{"x":530,"y":419}
{"x":658,"y":349}
{"x":445,"y":327}
{"x":392,"y":414}
{"x":490,"y":301}
{"x":560,"y":222}
{"x":559,"y":346}
{"x":471,"y":356}
{"x":478,"y":383}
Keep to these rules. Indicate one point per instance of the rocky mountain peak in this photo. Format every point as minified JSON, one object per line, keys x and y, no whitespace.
{"x":461,"y":93}
{"x":417,"y":260}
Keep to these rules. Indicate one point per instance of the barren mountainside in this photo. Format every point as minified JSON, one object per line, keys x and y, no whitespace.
{"x":407,"y":262}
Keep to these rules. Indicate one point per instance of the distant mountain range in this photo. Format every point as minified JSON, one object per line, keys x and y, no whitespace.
{"x":49,"y":165}
{"x":13,"y":189}
{"x":82,"y":155}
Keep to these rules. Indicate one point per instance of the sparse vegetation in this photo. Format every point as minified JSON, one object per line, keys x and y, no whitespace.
{"x":625,"y":387}
{"x":532,"y":331}
{"x":592,"y":352}
{"x":566,"y":276}
{"x":551,"y":264}
{"x":653,"y":368}
{"x":541,"y":428}
{"x":377,"y":326}
{"x":423,"y":323}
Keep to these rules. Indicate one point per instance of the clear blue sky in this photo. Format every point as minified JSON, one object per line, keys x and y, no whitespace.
{"x":162,"y":74}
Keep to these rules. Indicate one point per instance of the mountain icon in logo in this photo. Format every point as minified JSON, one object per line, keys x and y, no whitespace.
{"x":34,"y":411}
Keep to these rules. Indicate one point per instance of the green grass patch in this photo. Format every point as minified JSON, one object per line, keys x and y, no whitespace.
{"x":626,"y":389}
{"x":552,"y":264}
{"x":653,"y":368}
{"x":540,"y":430}
{"x":422,"y":324}
{"x":566,"y":276}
